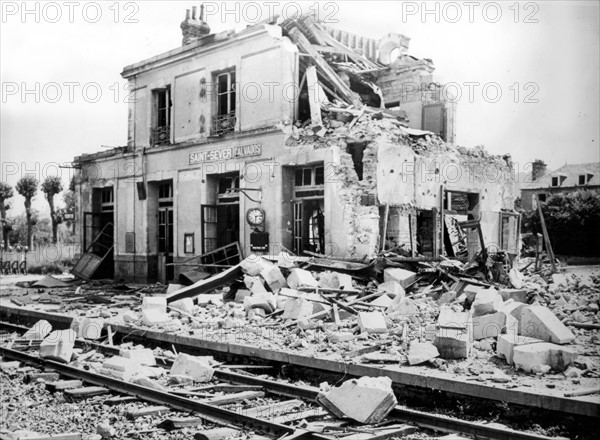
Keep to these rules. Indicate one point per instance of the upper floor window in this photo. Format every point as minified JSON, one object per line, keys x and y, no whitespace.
{"x":224,"y":119}
{"x":161,"y":126}
{"x":582,"y":179}
{"x":555,"y":181}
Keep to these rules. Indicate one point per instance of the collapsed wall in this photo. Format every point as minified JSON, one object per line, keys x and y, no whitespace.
{"x":382,"y":163}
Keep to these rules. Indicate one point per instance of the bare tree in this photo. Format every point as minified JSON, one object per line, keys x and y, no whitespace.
{"x":51,"y":186}
{"x":6,"y":192}
{"x":27,"y":187}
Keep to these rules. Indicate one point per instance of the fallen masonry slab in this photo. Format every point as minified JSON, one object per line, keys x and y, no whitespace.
{"x":185,"y":305}
{"x":513,"y":311}
{"x":488,"y":326}
{"x":265,"y":301}
{"x":486,"y":301}
{"x":366,"y":400}
{"x":143,"y":356}
{"x":121,"y":368}
{"x":420,"y":352}
{"x":372,"y":322}
{"x":58,"y":345}
{"x":154,"y":302}
{"x":274,"y":278}
{"x":39,"y":331}
{"x":506,"y":344}
{"x":453,"y":343}
{"x":404,"y":277}
{"x":297,"y":308}
{"x":534,"y":357}
{"x":154,"y":316}
{"x":253,"y":265}
{"x":539,"y":322}
{"x":301,"y":278}
{"x":198,"y":368}
{"x":392,"y":288}
{"x":402,"y":306}
{"x":518,"y":295}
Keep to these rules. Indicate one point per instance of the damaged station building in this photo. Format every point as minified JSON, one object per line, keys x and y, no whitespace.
{"x":287,"y":135}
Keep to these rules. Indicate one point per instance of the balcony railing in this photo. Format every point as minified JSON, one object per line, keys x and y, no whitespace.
{"x":161,"y":136}
{"x":224,"y":123}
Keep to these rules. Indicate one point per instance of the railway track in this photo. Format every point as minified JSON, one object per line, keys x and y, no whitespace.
{"x":252,"y":415}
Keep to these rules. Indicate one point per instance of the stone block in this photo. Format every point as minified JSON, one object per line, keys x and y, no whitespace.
{"x":372,"y":322}
{"x":253,"y":265}
{"x":285,"y":260}
{"x":154,"y":316}
{"x":301,"y":278}
{"x":120,"y":363}
{"x":88,"y":328}
{"x":39,"y":331}
{"x":345,"y":281}
{"x":513,"y":311}
{"x":402,"y":306}
{"x":470,"y":291}
{"x":539,"y":322}
{"x":154,"y":302}
{"x":130,"y":316}
{"x":506,"y":344}
{"x":143,"y":356}
{"x":448,"y":318}
{"x":366,"y":400}
{"x":533,"y":357}
{"x":198,"y":368}
{"x":297,"y":308}
{"x":339,"y":336}
{"x":329,"y":280}
{"x":488,"y":326}
{"x":58,"y":345}
{"x":518,"y":295}
{"x":241,"y":294}
{"x":486,"y":301}
{"x":404,"y":277}
{"x":174,"y":287}
{"x":256,"y":286}
{"x":447,"y":297}
{"x":453,"y":343}
{"x":274,"y":278}
{"x":265,"y":300}
{"x":392,"y":288}
{"x":420,"y":352}
{"x":383,"y":300}
{"x":186,"y":305}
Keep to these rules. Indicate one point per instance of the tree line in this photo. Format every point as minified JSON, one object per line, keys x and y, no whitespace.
{"x":27,"y":186}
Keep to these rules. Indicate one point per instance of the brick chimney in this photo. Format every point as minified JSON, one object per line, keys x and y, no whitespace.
{"x":193,"y":28}
{"x":538,"y":169}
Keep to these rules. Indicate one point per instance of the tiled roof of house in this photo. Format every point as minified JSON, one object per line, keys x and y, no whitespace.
{"x":568,"y":176}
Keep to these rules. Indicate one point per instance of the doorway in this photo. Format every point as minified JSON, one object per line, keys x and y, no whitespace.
{"x":308,"y":210}
{"x":220,"y":220}
{"x":165,"y":237}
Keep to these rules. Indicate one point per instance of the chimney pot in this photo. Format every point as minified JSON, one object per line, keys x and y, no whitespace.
{"x":194,"y":12}
{"x":202,"y":12}
{"x":187,"y":14}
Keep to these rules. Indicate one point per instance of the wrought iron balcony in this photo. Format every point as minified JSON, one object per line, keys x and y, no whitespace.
{"x":161,"y":136}
{"x":224,"y":123}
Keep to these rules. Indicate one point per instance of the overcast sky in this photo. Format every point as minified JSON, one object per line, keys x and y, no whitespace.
{"x":543,"y":57}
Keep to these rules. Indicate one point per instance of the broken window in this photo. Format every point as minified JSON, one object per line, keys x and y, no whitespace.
{"x":311,"y":177}
{"x":509,"y":232}
{"x":308,"y":206}
{"x":161,"y":128}
{"x":541,"y":197}
{"x":107,"y":199}
{"x":225,"y":119}
{"x":460,"y":207}
{"x":426,"y":232}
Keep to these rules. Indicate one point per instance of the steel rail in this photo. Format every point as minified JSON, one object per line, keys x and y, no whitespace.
{"x":203,"y":410}
{"x":421,"y":418}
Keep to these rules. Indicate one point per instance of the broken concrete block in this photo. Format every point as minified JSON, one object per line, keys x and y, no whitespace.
{"x":506,"y":344}
{"x":58,"y":345}
{"x":448,"y":318}
{"x":39,"y":331}
{"x":297,"y":308}
{"x":154,"y":302}
{"x":470,"y":291}
{"x":518,"y":295}
{"x":241,"y":294}
{"x":516,"y":278}
{"x":420,"y":352}
{"x":174,"y":287}
{"x":253,"y":265}
{"x":539,"y":322}
{"x":372,"y":322}
{"x":198,"y":368}
{"x":447,"y":297}
{"x":274,"y":278}
{"x":392,"y":288}
{"x":88,"y":328}
{"x":148,"y":383}
{"x":453,"y":343}
{"x":154,"y":316}
{"x":488,"y":326}
{"x":533,"y":357}
{"x":344,"y":281}
{"x":486,"y":301}
{"x":339,"y":336}
{"x":130,"y":316}
{"x":265,"y":300}
{"x":255,"y":284}
{"x":402,"y":306}
{"x":366,"y":400}
{"x":382,"y":300}
{"x":285,"y":260}
{"x":402,"y":276}
{"x":186,"y":305}
{"x":119,"y":363}
{"x":143,"y":356}
{"x":513,"y":311}
{"x":329,"y":280}
{"x":301,"y":278}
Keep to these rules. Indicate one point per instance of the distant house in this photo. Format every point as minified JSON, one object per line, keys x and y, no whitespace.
{"x":567,"y":178}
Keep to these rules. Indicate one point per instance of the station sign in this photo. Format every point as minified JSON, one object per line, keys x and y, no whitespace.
{"x":228,"y":153}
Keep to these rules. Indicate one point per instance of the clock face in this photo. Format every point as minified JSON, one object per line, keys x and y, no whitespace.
{"x":255,"y":216}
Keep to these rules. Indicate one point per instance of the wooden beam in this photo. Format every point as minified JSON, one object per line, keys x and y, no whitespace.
{"x":546,"y":236}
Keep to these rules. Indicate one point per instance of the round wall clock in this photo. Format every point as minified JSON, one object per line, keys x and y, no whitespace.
{"x":255,"y":216}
